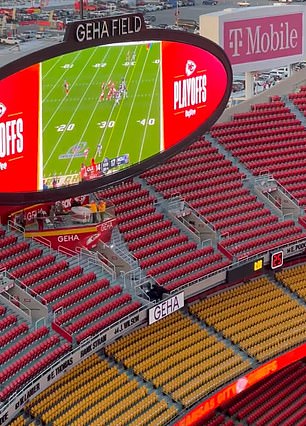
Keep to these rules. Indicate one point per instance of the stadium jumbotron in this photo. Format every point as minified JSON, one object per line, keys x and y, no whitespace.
{"x":153,"y":242}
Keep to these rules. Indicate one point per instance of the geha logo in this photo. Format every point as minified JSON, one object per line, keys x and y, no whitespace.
{"x":2,"y":109}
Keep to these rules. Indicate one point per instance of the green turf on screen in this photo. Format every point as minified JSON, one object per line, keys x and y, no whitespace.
{"x":79,"y":120}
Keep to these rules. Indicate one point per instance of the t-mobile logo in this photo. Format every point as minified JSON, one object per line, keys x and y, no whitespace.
{"x":235,"y":40}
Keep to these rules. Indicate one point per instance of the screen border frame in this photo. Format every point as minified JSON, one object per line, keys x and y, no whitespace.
{"x":97,"y":184}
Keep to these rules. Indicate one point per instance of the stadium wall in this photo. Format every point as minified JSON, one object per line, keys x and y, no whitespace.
{"x":10,"y":410}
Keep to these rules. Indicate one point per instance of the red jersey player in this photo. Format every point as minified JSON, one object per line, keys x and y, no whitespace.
{"x":111,"y":91}
{"x":66,"y":87}
{"x":101,"y":98}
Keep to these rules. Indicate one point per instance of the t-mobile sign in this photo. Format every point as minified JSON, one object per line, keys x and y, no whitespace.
{"x":258,"y":39}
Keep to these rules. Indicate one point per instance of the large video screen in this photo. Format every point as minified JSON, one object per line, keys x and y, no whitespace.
{"x":93,"y":112}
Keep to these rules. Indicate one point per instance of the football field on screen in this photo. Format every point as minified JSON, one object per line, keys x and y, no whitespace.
{"x":77,"y":120}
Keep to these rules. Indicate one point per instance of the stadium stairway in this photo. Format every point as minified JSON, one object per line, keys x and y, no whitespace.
{"x":210,"y":184}
{"x":269,"y":138}
{"x":100,"y":393}
{"x":152,"y":239}
{"x":299,"y":115}
{"x":120,"y":247}
{"x":293,"y":285}
{"x":172,"y":210}
{"x":250,"y":180}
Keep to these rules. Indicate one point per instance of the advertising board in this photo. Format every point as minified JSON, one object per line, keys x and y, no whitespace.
{"x":195,"y":416}
{"x":166,"y":307}
{"x":53,"y":373}
{"x":77,"y":237}
{"x":263,"y":38}
{"x":112,"y":100}
{"x":258,"y":38}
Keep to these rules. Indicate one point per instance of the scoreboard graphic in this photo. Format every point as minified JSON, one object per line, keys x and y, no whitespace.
{"x":100,"y":110}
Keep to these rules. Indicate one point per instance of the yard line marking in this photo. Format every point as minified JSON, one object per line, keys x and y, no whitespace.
{"x":148,"y":115}
{"x":120,"y":107}
{"x":97,"y":103}
{"x":55,"y":65}
{"x":135,"y":95}
{"x":62,"y":134}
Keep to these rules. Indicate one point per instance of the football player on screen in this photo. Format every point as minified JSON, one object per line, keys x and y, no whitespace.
{"x":101,"y":98}
{"x":66,"y":87}
{"x":99,"y":149}
{"x":122,"y":88}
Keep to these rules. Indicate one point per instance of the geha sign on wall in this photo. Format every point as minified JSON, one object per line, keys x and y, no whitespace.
{"x":166,"y":307}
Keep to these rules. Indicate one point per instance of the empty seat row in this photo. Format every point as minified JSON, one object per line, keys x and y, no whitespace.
{"x":149,"y":228}
{"x":7,"y":321}
{"x":160,"y":246}
{"x":251,"y":149}
{"x":12,"y":333}
{"x":222,"y":204}
{"x":208,"y":170}
{"x":7,"y":240}
{"x":262,"y":141}
{"x":19,"y":259}
{"x":195,"y":198}
{"x":259,"y":126}
{"x":98,"y":313}
{"x":23,"y":343}
{"x":32,"y":266}
{"x":186,"y":269}
{"x":29,"y":356}
{"x":139,"y":223}
{"x":129,"y":216}
{"x":153,"y":238}
{"x":119,"y":189}
{"x":180,"y":260}
{"x":249,"y":216}
{"x":267,"y":242}
{"x":199,"y":182}
{"x":167,"y":254}
{"x":13,"y":249}
{"x":234,"y":210}
{"x":81,"y":294}
{"x":68,"y":287}
{"x":31,"y":372}
{"x":134,"y":204}
{"x":83,"y":306}
{"x":209,"y":193}
{"x":46,"y":272}
{"x":130,"y":196}
{"x":56,"y":280}
{"x":106,"y":322}
{"x":282,"y":132}
{"x":252,"y":233}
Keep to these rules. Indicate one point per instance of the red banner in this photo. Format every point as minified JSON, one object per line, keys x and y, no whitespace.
{"x":193,"y":89}
{"x":19,"y":131}
{"x":195,"y":416}
{"x":86,"y":236}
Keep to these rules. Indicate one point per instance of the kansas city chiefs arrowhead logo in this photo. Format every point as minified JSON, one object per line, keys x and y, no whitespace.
{"x":2,"y":109}
{"x":190,"y":68}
